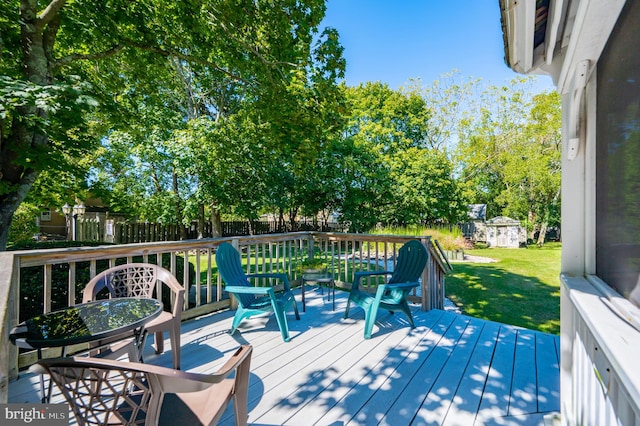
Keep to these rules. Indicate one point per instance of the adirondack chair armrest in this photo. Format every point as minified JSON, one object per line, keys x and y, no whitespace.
{"x":358,"y":276}
{"x":397,"y":291}
{"x":248,"y":290}
{"x":402,"y":286}
{"x":278,"y":275}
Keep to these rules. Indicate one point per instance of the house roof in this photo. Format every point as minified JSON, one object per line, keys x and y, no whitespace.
{"x":560,"y":38}
{"x":524,"y":29}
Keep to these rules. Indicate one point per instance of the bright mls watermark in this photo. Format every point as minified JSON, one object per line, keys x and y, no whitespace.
{"x":34,"y":414}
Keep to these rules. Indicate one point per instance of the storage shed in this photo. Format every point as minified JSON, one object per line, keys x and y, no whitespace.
{"x":503,"y":231}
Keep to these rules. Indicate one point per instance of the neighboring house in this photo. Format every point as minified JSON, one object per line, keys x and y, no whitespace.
{"x":590,"y":49}
{"x":53,"y":223}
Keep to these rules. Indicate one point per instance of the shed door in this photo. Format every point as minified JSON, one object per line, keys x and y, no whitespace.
{"x":503,"y":237}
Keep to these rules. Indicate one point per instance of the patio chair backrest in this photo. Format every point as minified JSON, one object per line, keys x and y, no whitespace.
{"x":412,"y":258}
{"x":128,"y":280}
{"x":139,"y":280}
{"x":230,"y":269}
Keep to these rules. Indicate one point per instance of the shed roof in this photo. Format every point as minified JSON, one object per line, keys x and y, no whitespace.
{"x":503,"y":220}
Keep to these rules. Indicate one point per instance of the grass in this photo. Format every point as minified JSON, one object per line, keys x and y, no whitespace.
{"x":522,"y":288}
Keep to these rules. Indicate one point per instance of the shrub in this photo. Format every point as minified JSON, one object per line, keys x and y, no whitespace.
{"x":449,"y":242}
{"x":449,"y":239}
{"x":24,"y":227}
{"x":32,"y":278}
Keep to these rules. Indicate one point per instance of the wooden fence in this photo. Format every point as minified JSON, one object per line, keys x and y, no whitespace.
{"x":145,"y":232}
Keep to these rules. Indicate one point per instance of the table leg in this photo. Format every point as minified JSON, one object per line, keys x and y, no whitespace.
{"x":333,"y":288}
{"x":43,"y":396}
{"x":304,"y":309}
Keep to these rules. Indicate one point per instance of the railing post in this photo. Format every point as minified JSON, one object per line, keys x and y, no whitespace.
{"x":310,"y":247}
{"x":9,"y":295}
{"x":233,"y":303}
{"x":427,"y":285}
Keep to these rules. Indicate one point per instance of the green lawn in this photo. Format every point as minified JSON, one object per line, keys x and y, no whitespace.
{"x":521,"y":288}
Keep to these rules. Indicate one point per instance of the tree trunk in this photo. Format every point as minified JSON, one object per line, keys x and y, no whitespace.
{"x":201,"y":221}
{"x":545,"y":224}
{"x":183,"y":229}
{"x":281,"y":223}
{"x":216,"y":222}
{"x":22,"y":138}
{"x":543,"y":233}
{"x":531,"y":219}
{"x":293,"y":213}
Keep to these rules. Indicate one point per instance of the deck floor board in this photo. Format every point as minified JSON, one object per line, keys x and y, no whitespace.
{"x":450,"y":369}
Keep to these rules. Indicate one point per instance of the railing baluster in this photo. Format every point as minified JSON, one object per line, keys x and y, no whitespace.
{"x":92,"y":268}
{"x":71,"y":287}
{"x":172,"y":263}
{"x":209,"y":274}
{"x":185,"y":278}
{"x":47,"y":288}
{"x":386,"y":255}
{"x":197,"y":280}
{"x":159,"y":284}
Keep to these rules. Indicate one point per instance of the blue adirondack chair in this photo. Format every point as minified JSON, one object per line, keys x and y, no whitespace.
{"x":254,"y":300}
{"x":392,"y":296}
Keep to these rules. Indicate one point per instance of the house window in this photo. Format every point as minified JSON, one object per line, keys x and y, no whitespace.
{"x":618,"y":156}
{"x":45,"y":215}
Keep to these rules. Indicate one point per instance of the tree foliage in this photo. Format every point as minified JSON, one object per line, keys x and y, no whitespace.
{"x":168,"y":109}
{"x":129,"y":61}
{"x":395,"y":175}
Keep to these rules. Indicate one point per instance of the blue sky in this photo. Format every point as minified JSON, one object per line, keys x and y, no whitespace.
{"x":394,"y":40}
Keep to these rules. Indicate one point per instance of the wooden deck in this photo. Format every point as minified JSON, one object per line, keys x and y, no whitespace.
{"x":450,"y":370}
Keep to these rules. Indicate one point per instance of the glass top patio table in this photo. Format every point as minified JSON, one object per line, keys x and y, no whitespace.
{"x":103,"y":321}
{"x":87,"y":322}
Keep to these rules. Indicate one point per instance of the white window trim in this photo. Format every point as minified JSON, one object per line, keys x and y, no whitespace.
{"x":42,"y":215}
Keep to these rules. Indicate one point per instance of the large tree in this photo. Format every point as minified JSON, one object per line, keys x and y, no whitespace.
{"x":51,"y":50}
{"x":450,"y":101}
{"x":218,"y":142}
{"x":510,"y":155}
{"x":395,"y":171}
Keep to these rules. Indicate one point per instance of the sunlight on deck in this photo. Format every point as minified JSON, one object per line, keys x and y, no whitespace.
{"x":451,"y":369}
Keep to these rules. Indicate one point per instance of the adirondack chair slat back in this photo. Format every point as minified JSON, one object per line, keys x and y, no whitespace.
{"x":411,"y":260}
{"x":230,"y":269}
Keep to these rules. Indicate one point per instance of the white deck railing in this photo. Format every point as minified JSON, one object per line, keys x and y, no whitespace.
{"x":600,"y":376}
{"x":343,"y":253}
